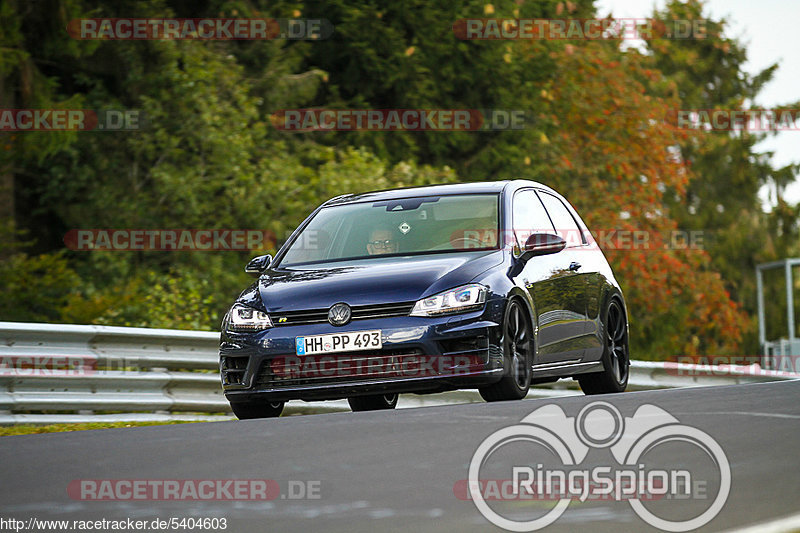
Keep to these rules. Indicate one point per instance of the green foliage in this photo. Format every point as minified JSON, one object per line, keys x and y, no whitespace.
{"x":35,"y":288}
{"x":721,"y":200}
{"x":173,"y":301}
{"x":208,"y":157}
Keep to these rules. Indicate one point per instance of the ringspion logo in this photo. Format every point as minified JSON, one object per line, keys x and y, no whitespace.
{"x":542,"y":458}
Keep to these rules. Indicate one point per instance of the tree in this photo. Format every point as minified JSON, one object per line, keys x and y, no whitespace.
{"x":612,"y":149}
{"x":721,"y":197}
{"x":208,"y":156}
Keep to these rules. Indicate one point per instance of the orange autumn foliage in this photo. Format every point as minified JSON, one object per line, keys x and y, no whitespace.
{"x":615,"y":159}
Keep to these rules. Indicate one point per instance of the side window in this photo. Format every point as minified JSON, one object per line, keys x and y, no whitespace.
{"x":529,"y":216}
{"x":566,"y":226}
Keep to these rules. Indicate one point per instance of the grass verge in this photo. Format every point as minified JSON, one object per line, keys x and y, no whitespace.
{"x":6,"y":431}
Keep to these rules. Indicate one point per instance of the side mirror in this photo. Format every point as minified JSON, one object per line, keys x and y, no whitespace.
{"x":542,"y":244}
{"x":258,"y":265}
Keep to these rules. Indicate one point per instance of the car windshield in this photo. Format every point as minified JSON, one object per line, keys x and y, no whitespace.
{"x":404,"y":226}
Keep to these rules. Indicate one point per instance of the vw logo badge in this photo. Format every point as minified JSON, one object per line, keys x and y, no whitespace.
{"x":339,"y":314}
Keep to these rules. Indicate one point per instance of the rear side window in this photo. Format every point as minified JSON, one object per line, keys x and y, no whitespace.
{"x":566,"y":226}
{"x":529,"y":216}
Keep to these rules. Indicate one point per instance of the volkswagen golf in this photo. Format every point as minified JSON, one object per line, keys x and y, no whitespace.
{"x":491,"y":286}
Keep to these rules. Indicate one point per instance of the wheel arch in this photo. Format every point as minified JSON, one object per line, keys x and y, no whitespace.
{"x":524,"y":297}
{"x":612,"y":292}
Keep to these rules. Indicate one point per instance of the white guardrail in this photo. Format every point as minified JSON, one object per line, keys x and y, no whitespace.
{"x":55,"y":373}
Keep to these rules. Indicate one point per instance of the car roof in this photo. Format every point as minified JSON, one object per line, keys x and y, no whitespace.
{"x":435,"y":190}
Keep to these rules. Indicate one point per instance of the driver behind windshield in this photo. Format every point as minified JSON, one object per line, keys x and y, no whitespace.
{"x":382,"y":241}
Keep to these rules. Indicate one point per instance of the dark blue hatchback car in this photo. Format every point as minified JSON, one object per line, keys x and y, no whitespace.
{"x":491,"y":286}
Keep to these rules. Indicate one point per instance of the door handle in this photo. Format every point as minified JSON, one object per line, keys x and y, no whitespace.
{"x":574,"y":266}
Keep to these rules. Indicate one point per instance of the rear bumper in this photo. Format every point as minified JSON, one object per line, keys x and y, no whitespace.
{"x":459,"y":352}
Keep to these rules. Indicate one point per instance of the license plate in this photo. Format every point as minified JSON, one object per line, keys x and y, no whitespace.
{"x":339,"y":342}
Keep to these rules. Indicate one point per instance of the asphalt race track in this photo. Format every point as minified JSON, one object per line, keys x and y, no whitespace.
{"x":391,"y":471}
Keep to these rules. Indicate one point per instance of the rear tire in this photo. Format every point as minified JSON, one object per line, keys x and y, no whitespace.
{"x":374,"y":402}
{"x":250,"y":410}
{"x":616,"y":358}
{"x":517,"y":357}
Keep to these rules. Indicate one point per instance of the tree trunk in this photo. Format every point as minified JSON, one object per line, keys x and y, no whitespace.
{"x":7,"y":218}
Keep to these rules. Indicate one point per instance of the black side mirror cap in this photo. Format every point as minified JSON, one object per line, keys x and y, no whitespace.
{"x":258,"y":265}
{"x":542,"y":244}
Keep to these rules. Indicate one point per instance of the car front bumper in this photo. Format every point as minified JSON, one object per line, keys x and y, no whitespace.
{"x":419,"y":354}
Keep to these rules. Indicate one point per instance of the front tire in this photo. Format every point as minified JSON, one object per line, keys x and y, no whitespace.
{"x":616,"y":358}
{"x":517,"y":357}
{"x":374,"y":402}
{"x":250,"y":410}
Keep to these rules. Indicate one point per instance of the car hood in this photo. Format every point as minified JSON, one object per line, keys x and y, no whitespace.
{"x":368,"y":282}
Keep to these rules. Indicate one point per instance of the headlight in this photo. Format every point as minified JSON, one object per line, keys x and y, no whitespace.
{"x":245,"y":318}
{"x":458,"y":300}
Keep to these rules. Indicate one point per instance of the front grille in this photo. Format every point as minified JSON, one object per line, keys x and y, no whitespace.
{"x":359,"y":312}
{"x":371,"y":365}
{"x":374,"y":365}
